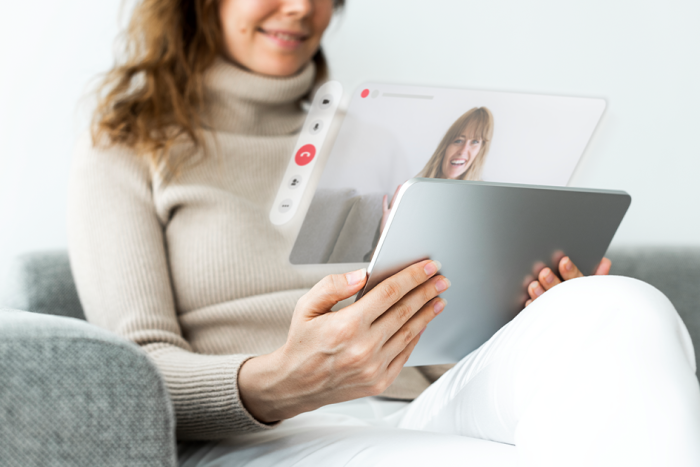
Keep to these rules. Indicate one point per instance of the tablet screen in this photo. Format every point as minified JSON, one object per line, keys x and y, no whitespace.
{"x":391,"y":133}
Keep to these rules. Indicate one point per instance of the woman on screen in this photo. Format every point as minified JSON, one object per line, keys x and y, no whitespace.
{"x":462,"y":152}
{"x":461,"y":155}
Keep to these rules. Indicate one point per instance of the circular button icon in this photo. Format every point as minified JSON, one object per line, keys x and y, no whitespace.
{"x":326,"y":101}
{"x":364,"y":93}
{"x":285,"y":205}
{"x":294,"y":182}
{"x":305,"y":154}
{"x":316,"y":127}
{"x":375,"y":93}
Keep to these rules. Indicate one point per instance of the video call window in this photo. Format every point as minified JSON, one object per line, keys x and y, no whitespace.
{"x":392,"y":133}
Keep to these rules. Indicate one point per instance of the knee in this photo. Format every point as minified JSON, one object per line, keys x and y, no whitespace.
{"x":624,"y":300}
{"x":626,"y":293}
{"x":616,"y":294}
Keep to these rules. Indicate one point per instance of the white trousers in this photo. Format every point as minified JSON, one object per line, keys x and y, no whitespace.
{"x":598,"y":371}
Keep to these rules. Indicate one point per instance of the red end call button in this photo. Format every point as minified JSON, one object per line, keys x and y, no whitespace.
{"x":305,"y":154}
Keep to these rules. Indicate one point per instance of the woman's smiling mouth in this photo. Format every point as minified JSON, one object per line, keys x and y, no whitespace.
{"x":286,"y":39}
{"x":458,"y":162}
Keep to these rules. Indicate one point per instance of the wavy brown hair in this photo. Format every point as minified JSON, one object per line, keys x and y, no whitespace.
{"x":477,"y":123}
{"x":155,"y":97}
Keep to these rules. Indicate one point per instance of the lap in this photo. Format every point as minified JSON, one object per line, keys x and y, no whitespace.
{"x":348,"y":435}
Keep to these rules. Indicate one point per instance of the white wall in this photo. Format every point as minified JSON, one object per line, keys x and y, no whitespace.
{"x":49,"y":53}
{"x":642,"y":56}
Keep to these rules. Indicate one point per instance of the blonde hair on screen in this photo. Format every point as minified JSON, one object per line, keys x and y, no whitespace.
{"x":476,"y":123}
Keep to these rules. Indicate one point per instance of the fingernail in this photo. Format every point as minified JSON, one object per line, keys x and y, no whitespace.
{"x":356,"y":276}
{"x":439,"y":306}
{"x":549,"y":276}
{"x":442,"y":284}
{"x":537,"y":289}
{"x":567,"y":264}
{"x":432,"y":267}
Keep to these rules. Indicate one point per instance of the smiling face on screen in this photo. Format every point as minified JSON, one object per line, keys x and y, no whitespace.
{"x":273,"y":37}
{"x":460,"y":155}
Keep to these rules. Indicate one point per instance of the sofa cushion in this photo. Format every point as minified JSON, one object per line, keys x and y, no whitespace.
{"x":41,"y":282}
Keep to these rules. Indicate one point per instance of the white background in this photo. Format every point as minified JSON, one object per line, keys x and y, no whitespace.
{"x":641,"y":56}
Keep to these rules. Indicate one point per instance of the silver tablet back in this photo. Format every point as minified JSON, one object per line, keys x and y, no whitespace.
{"x":491,"y":239}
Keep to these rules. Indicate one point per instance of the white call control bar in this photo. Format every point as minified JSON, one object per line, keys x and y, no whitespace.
{"x":308,"y":146}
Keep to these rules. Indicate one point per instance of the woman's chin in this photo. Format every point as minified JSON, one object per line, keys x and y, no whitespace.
{"x":455,"y":175}
{"x":273,"y":64}
{"x":279,"y":68}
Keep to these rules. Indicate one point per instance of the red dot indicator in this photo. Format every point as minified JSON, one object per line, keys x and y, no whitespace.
{"x":364,"y":93}
{"x":305,"y":154}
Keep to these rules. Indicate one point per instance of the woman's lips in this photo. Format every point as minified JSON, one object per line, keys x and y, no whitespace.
{"x":458,"y":162}
{"x":286,"y":39}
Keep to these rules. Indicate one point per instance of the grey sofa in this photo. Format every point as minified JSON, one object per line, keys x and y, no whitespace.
{"x":75,"y":395}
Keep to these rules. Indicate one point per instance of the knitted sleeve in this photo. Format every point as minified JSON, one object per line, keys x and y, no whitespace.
{"x":119,"y":261}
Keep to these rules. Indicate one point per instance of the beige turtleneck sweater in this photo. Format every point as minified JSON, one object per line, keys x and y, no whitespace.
{"x":192,"y":270}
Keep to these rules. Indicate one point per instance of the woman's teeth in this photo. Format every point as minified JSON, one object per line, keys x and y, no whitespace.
{"x":458,"y":162}
{"x":283,"y":36}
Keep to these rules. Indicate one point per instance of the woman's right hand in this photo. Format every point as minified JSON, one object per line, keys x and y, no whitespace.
{"x":332,"y":357}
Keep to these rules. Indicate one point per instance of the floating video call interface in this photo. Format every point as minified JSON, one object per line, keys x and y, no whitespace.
{"x":392,"y":133}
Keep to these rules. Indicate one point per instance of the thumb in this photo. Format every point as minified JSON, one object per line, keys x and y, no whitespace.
{"x":331,"y":290}
{"x":603,"y":268}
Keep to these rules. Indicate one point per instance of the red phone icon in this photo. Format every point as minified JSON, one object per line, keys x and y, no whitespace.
{"x":305,"y":154}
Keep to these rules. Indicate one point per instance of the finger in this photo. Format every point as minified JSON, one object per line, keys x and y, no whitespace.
{"x":548,"y":279}
{"x":396,"y":193}
{"x":385,"y":204}
{"x":413,"y":327}
{"x":535,"y":289}
{"x":394,"y":368}
{"x":391,"y":322}
{"x":330,"y":290}
{"x":528,"y":303}
{"x":393,"y":289}
{"x":603,"y":268}
{"x":568,"y":270}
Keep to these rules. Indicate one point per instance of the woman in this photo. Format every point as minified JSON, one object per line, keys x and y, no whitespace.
{"x":171,"y":247}
{"x":462,"y":152}
{"x":460,"y":155}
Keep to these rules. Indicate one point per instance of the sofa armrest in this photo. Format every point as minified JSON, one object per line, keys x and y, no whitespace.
{"x":74,"y":394}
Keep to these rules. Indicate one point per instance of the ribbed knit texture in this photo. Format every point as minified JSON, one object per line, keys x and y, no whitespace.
{"x":192,"y":270}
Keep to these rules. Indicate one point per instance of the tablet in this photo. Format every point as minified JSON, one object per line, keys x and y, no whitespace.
{"x":492,"y":239}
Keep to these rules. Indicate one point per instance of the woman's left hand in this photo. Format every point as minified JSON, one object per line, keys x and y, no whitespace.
{"x":547,"y":279}
{"x":386,"y":208}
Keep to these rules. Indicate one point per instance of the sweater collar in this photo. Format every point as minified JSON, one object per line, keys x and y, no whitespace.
{"x":242,"y":102}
